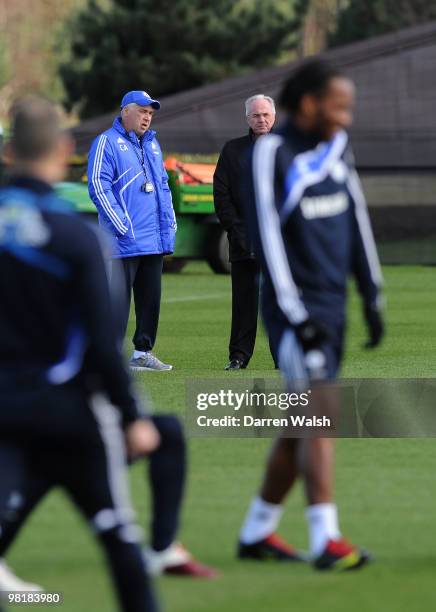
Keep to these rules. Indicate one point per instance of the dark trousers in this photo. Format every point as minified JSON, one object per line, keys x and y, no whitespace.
{"x":56,"y":437}
{"x":167,"y":472}
{"x":143,"y":274}
{"x":245,"y":306}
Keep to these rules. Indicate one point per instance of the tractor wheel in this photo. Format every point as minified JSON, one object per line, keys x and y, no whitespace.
{"x":174,"y":264}
{"x":217,"y":250}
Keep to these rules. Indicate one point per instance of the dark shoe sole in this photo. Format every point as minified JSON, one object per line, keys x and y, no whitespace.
{"x":340,"y":565}
{"x":256,"y":552}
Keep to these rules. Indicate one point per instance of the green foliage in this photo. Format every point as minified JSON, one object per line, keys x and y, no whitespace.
{"x":4,"y":73}
{"x":171,"y":46}
{"x":360,"y":20}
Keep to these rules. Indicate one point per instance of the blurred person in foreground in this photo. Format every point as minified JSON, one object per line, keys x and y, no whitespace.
{"x":260,"y":113}
{"x":311,"y":230}
{"x":65,"y":396}
{"x":167,"y":469}
{"x":128,"y":184}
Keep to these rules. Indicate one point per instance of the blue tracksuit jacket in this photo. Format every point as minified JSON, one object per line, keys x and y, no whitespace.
{"x":142,"y":223}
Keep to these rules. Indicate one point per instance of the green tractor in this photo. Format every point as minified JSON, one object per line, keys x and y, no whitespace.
{"x":199,"y":234}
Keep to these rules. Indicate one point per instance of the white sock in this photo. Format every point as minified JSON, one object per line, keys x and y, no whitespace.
{"x":323,"y":526}
{"x":261,"y":521}
{"x":137,"y":354}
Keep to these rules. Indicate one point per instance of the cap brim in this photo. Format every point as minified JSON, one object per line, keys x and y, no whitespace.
{"x":153,"y":103}
{"x":147,"y":102}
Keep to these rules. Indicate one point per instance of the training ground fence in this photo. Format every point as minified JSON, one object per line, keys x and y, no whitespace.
{"x":402,"y":205}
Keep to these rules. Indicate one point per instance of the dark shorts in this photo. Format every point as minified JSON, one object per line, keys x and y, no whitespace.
{"x":298,"y":367}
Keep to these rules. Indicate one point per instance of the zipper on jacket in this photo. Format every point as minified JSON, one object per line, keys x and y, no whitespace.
{"x":158,"y":207}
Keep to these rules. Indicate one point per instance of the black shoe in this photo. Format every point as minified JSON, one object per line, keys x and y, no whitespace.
{"x":236,"y":364}
{"x":272,"y":547}
{"x":339,"y":555}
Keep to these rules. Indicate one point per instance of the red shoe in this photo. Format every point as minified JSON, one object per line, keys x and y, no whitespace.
{"x":271,"y":547}
{"x":340,"y":555}
{"x":192,"y":568}
{"x":176,"y":560}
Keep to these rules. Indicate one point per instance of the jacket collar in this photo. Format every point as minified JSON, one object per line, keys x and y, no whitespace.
{"x":31,"y":183}
{"x":252,"y":137}
{"x":118,"y":126}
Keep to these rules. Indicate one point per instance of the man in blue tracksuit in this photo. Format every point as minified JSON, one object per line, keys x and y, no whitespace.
{"x":129,"y":186}
{"x":311,"y":230}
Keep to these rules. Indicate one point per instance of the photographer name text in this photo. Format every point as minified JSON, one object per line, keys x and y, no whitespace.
{"x":298,"y":421}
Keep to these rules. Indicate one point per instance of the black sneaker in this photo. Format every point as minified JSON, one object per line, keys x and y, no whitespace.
{"x":272,"y":547}
{"x":236,"y":364}
{"x":340,"y":555}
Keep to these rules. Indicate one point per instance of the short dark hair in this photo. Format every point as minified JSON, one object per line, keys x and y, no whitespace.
{"x":35,"y":127}
{"x":312,"y":77}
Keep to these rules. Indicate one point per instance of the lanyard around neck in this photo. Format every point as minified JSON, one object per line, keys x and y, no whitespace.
{"x":140,"y":156}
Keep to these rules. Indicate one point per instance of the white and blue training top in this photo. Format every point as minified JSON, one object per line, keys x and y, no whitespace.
{"x":310,"y":226}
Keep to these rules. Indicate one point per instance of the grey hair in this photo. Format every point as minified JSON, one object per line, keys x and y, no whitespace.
{"x":251,"y":99}
{"x":130,"y":105}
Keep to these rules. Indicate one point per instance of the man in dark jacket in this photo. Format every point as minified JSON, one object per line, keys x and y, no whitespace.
{"x":260,"y":113}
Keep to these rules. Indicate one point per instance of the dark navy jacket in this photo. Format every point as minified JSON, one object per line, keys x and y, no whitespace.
{"x":228,"y":197}
{"x":55,"y":306}
{"x":310,"y":226}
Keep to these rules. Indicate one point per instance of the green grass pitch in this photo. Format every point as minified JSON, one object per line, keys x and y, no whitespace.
{"x":386,"y":489}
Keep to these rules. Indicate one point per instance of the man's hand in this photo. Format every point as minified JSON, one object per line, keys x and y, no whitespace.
{"x":375,"y":325}
{"x":311,"y":334}
{"x":142,"y":438}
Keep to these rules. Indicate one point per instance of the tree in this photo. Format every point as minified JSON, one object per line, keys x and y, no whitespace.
{"x":361,"y":20}
{"x":170,"y":46}
{"x":28,"y":31}
{"x":3,"y":65}
{"x":319,"y":22}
